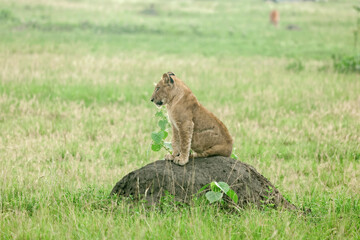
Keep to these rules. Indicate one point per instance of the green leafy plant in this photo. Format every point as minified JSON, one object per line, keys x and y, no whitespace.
{"x":158,"y":137}
{"x":217,"y":191}
{"x":347,"y":64}
{"x":233,"y":154}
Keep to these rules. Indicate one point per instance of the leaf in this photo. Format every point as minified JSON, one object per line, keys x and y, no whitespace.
{"x":155,"y":147}
{"x":203,"y":188}
{"x":168,"y":145}
{"x":233,"y":155}
{"x":164,"y":134}
{"x":159,"y":114}
{"x":156,"y":137}
{"x":223,"y":186}
{"x":213,"y":196}
{"x":232,"y":195}
{"x":162,"y":124}
{"x":214,"y":187}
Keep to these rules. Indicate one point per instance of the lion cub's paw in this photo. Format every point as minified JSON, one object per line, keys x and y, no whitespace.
{"x":169,"y":157}
{"x":181,"y":160}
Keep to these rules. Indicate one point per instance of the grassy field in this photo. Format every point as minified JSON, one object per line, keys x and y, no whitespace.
{"x":76,"y":78}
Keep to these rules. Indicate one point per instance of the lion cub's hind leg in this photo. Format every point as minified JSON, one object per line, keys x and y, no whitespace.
{"x":217,"y":150}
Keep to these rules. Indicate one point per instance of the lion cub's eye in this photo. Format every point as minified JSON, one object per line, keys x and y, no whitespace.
{"x":157,"y":89}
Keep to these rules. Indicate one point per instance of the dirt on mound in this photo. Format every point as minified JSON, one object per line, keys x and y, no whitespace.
{"x":152,"y":181}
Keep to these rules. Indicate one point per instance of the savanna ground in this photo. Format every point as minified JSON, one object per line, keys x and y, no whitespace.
{"x":75,"y":113}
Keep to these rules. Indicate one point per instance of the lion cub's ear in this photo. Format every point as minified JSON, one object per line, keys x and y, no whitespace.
{"x":167,"y":79}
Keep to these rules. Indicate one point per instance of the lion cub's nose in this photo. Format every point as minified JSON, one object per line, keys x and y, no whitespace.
{"x":152,"y":99}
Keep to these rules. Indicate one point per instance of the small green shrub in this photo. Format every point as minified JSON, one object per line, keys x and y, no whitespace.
{"x":217,"y":191}
{"x":233,"y":154}
{"x":347,"y":64}
{"x":158,"y":137}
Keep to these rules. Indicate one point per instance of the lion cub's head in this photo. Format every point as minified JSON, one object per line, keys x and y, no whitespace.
{"x":164,"y":90}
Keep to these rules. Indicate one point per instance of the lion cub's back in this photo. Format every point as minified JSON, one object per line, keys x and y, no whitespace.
{"x":205,"y":120}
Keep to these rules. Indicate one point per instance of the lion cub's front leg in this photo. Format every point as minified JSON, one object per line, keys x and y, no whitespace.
{"x":175,"y":143}
{"x":185,"y":134}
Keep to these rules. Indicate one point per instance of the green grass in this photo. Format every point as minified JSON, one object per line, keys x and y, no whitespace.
{"x":75,"y":114}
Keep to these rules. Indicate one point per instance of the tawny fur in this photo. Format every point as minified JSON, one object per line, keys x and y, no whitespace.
{"x":193,"y":126}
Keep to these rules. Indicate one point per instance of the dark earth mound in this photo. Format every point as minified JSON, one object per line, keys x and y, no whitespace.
{"x":152,"y":181}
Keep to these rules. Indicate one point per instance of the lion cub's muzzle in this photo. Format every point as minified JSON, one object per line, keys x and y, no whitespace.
{"x":159,"y":103}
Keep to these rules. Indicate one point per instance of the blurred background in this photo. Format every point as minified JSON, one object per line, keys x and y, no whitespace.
{"x":312,"y":29}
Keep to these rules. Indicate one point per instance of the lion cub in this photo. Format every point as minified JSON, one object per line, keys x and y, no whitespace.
{"x":193,"y":126}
